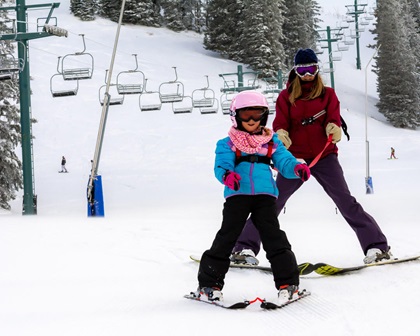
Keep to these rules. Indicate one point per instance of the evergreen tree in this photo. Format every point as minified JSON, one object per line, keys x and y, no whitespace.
{"x":299,"y":27}
{"x":396,"y":65}
{"x":11,"y":179}
{"x":223,"y":20}
{"x":173,"y":15}
{"x":414,"y":9}
{"x":141,"y":12}
{"x":83,"y":9}
{"x":261,"y":35}
{"x":194,"y":15}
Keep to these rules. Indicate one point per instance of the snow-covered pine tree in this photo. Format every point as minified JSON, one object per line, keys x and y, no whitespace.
{"x":261,"y":35}
{"x":141,"y":12}
{"x":194,"y":15}
{"x":223,"y":19}
{"x":299,"y":28}
{"x":11,"y":179}
{"x":173,"y":15}
{"x":83,"y":9}
{"x":396,"y":62}
{"x":110,"y":9}
{"x":414,"y":9}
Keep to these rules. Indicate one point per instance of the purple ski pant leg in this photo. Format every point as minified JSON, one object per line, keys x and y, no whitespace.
{"x":329,"y":174}
{"x":250,"y":238}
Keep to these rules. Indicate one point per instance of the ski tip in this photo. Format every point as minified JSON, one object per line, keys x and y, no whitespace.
{"x":239,"y":305}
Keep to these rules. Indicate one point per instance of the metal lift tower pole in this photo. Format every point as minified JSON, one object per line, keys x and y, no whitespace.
{"x":94,"y":190}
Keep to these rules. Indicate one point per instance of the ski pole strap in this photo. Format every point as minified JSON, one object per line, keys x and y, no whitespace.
{"x":314,"y":161}
{"x":344,"y":127}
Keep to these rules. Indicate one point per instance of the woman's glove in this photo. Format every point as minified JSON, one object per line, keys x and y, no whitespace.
{"x":231,"y":180}
{"x":303,"y":171}
{"x":284,"y":137}
{"x":335,"y":131}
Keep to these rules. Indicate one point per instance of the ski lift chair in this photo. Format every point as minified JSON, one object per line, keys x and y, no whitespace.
{"x":231,"y":86}
{"x":341,"y":46}
{"x":172,"y":91}
{"x":343,"y":24}
{"x":336,"y":55}
{"x":225,"y":101}
{"x":10,"y":66}
{"x":353,"y":33}
{"x":70,"y":72}
{"x":319,"y":50}
{"x":326,"y":68}
{"x":131,"y":81}
{"x":271,"y":100}
{"x":9,"y":27}
{"x":58,"y":91}
{"x":60,"y":87}
{"x":115,"y":97}
{"x":271,"y":93}
{"x":348,"y":40}
{"x":183,"y":106}
{"x":213,"y":108}
{"x":149,"y":100}
{"x":203,"y":97}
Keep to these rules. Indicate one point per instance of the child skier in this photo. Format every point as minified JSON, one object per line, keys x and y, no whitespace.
{"x":242,"y":164}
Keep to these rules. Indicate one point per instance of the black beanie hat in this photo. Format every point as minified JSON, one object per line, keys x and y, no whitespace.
{"x":305,"y":56}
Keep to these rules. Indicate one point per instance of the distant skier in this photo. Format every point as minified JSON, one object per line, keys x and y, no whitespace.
{"x":63,"y":165}
{"x":392,"y":153}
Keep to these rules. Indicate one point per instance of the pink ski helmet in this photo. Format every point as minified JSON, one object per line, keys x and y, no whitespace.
{"x":247,"y":99}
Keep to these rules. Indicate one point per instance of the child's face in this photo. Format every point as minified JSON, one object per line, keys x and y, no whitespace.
{"x":251,"y":118}
{"x":251,"y":125}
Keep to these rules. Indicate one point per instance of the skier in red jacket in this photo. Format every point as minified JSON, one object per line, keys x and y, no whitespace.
{"x":307,"y":112}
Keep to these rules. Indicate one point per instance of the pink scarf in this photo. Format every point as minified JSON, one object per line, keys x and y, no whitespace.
{"x":250,"y":143}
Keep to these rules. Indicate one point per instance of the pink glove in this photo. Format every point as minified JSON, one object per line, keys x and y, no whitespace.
{"x":302,"y":171}
{"x":231,"y":180}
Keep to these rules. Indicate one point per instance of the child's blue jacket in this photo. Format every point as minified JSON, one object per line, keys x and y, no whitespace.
{"x":256,"y":178}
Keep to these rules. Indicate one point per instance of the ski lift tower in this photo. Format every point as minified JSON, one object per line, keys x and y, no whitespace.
{"x":22,"y":37}
{"x":332,"y":35}
{"x":355,"y":11}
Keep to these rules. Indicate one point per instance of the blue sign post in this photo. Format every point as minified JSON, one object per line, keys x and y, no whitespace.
{"x":96,"y":205}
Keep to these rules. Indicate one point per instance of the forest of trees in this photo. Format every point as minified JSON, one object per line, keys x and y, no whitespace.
{"x":11,"y":177}
{"x":262,"y":34}
{"x":398,"y":61}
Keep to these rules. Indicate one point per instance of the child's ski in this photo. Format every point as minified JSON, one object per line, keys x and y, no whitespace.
{"x":241,"y":305}
{"x":271,"y":305}
{"x":221,"y":304}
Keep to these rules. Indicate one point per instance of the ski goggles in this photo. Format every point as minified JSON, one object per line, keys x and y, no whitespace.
{"x":304,"y":70}
{"x":254,"y":113}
